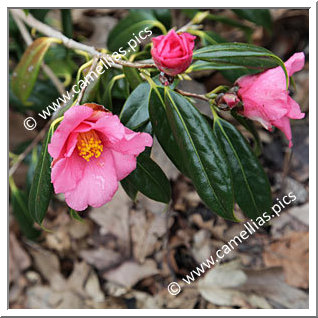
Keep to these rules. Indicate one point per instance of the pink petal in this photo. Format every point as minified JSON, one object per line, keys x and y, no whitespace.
{"x":124,"y":164}
{"x":72,"y":118}
{"x":110,"y":127}
{"x":284,"y":125}
{"x":295,"y":111}
{"x":97,"y":186}
{"x":133,"y":143}
{"x":246,"y":81}
{"x":253,"y":112}
{"x":67,"y":172}
{"x":295,"y":63}
{"x":71,"y":144}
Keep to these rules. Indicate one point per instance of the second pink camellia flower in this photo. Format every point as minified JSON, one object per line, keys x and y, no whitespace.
{"x":172,"y":53}
{"x":266,"y":99}
{"x":92,"y":151}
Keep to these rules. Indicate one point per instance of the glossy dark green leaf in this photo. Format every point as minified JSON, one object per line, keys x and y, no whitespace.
{"x":41,"y":188}
{"x":203,"y":155}
{"x":249,"y":125}
{"x":251,"y":186}
{"x":19,"y":202}
{"x":162,"y":130}
{"x":135,"y":111}
{"x":150,"y":180}
{"x":26,"y":72}
{"x":204,"y":65}
{"x":240,"y":54}
{"x":258,"y":16}
{"x":128,"y":184}
{"x":230,"y":72}
{"x":122,"y":34}
{"x":133,"y":77}
{"x":129,"y":187}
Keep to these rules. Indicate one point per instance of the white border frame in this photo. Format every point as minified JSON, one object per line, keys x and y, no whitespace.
{"x":312,"y":164}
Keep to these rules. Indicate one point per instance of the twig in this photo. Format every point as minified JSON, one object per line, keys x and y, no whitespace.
{"x":129,"y":64}
{"x":28,"y":40}
{"x":81,"y":94}
{"x":191,"y":94}
{"x":70,"y":43}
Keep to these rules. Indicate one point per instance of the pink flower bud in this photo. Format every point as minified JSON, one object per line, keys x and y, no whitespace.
{"x":229,"y":99}
{"x":172,"y":53}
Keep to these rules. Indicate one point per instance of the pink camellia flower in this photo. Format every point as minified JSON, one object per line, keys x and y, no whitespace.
{"x":92,"y":151}
{"x":266,"y":99}
{"x":172,"y":53}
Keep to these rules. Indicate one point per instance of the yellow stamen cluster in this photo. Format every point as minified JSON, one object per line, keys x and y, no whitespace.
{"x":89,"y":145}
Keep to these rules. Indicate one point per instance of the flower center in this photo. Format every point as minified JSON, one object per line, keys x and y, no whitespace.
{"x":89,"y":145}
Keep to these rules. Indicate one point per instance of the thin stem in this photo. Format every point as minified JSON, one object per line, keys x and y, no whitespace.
{"x":81,"y":94}
{"x":198,"y":96}
{"x":129,"y":64}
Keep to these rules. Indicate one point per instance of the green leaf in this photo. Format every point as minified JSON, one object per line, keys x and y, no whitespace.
{"x":204,"y":65}
{"x":26,"y":72}
{"x":133,"y":77}
{"x":129,"y":187}
{"x":162,"y":128}
{"x":63,"y":69}
{"x":41,"y":188}
{"x":19,"y":202}
{"x":150,"y":180}
{"x":164,"y":16}
{"x":249,"y":126}
{"x":67,"y":24}
{"x":135,"y":110}
{"x":43,"y":94}
{"x":133,"y":23}
{"x":240,"y":54}
{"x":258,"y":16}
{"x":75,"y":216}
{"x":108,"y":92}
{"x":202,"y":153}
{"x":32,"y":162}
{"x":251,"y":186}
{"x":230,"y":72}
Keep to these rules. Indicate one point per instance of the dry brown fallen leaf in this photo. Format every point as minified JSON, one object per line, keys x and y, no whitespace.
{"x":146,"y":231}
{"x":102,"y":258}
{"x":130,"y":272}
{"x":80,"y":290}
{"x":19,"y":260}
{"x":113,"y":218}
{"x":220,"y":284}
{"x":292,"y":253}
{"x":270,"y":283}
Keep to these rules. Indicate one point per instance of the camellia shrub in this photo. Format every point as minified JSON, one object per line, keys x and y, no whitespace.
{"x":128,"y":94}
